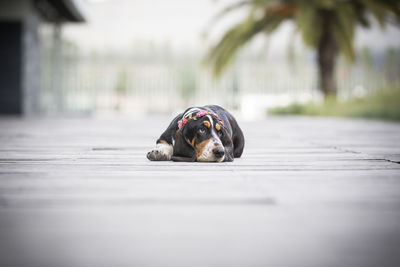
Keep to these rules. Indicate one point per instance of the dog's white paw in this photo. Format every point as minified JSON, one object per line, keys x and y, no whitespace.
{"x":161,"y":152}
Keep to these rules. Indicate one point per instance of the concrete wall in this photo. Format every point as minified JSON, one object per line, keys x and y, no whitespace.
{"x":10,"y":67}
{"x":19,"y":58}
{"x":31,"y":64}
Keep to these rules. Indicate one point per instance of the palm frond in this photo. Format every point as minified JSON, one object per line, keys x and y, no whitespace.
{"x":222,"y":54}
{"x":382,"y":9}
{"x":253,"y":4}
{"x":308,"y":16}
{"x":239,"y":4}
{"x":229,"y":9}
{"x":343,"y":26}
{"x":361,"y":14}
{"x":308,"y":22}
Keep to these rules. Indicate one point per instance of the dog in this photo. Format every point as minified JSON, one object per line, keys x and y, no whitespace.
{"x":203,"y":134}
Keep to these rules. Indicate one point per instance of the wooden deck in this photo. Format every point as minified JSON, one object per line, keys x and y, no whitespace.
{"x":307,"y":192}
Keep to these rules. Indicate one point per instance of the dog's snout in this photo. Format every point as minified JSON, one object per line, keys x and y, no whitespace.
{"x":218,"y":152}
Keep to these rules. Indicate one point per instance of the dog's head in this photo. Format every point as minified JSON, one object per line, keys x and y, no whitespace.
{"x":208,"y":137}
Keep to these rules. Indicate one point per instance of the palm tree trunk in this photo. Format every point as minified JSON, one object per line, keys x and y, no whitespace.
{"x":327,"y":53}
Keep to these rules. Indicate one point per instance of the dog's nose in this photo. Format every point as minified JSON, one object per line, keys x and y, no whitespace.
{"x":218,"y":152}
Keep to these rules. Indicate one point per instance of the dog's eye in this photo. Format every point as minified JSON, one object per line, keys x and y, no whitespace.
{"x":202,"y":131}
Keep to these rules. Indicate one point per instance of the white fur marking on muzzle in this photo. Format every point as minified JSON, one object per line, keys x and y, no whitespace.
{"x":207,"y":154}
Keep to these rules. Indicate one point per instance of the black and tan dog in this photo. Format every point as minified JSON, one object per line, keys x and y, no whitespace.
{"x":208,"y":133}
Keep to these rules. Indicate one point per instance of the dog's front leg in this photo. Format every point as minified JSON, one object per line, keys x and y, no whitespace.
{"x":163,"y":151}
{"x":164,"y":147}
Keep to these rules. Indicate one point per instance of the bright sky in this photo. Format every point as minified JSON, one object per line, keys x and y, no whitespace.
{"x":118,"y":23}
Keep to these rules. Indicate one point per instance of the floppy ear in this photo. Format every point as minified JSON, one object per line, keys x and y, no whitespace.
{"x":228,"y":145}
{"x":226,"y":138}
{"x":182,"y":150}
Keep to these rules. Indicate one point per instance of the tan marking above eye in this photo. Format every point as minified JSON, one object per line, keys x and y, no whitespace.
{"x":218,"y":127}
{"x":207,"y":124}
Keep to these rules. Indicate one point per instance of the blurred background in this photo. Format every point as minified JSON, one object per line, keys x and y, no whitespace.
{"x":102,"y":57}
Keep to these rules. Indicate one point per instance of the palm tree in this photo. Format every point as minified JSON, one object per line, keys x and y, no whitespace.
{"x":326,"y":25}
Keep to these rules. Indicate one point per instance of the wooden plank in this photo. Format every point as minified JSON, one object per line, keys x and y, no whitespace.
{"x":314,"y":192}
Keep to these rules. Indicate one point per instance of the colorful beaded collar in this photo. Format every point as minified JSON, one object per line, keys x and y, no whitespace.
{"x":199,"y":114}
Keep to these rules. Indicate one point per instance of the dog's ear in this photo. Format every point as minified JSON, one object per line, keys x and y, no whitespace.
{"x":182,"y":150}
{"x":225,"y":137}
{"x":227,"y":143}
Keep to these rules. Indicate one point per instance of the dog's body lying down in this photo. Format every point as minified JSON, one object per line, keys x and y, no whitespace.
{"x":208,"y":133}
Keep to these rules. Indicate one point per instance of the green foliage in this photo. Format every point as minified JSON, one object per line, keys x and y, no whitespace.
{"x":343,"y":17}
{"x":383,"y":104}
